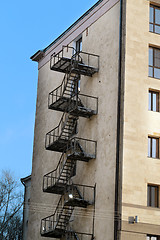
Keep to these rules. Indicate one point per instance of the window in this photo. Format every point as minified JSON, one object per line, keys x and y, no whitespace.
{"x":154,"y":19}
{"x":79,"y":45}
{"x":154,"y":62}
{"x":79,"y":49}
{"x":153,"y":101}
{"x":153,"y":196}
{"x":152,"y":237}
{"x":153,"y":147}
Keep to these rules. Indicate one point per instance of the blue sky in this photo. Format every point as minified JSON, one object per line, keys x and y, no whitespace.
{"x":25,"y":27}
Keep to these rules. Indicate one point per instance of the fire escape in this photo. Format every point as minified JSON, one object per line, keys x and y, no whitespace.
{"x":67,"y":99}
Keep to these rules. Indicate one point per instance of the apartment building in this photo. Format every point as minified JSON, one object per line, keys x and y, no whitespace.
{"x":95,"y":172}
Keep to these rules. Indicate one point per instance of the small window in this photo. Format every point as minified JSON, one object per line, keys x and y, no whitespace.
{"x":79,"y":49}
{"x":154,"y":19}
{"x":153,"y":101}
{"x":154,"y":62}
{"x":152,"y":237}
{"x":153,"y":147}
{"x":79,"y":45}
{"x":153,"y":196}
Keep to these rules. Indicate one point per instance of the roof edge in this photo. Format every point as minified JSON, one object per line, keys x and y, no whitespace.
{"x":40,"y":53}
{"x":37,"y":56}
{"x":25,"y":179}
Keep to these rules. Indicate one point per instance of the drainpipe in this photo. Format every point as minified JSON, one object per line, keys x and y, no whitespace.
{"x":117,"y":209}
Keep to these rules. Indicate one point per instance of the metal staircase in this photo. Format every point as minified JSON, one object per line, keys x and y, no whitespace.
{"x":57,"y":139}
{"x":59,"y":98}
{"x":66,"y":98}
{"x":57,"y":180}
{"x":71,"y":235}
{"x":68,"y":58}
{"x":77,"y":149}
{"x":81,"y":149}
{"x":55,"y":226}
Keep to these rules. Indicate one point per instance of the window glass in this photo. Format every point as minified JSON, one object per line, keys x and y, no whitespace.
{"x":157,"y":29}
{"x":79,"y":45}
{"x":156,"y":73}
{"x":151,"y":27}
{"x":151,"y":14}
{"x":152,"y":203}
{"x":156,"y":58}
{"x":154,"y":101}
{"x":151,"y":237}
{"x":149,"y":101}
{"x":157,"y":16}
{"x":150,"y":73}
{"x":149,"y":147}
{"x":153,"y":148}
{"x":151,"y":56}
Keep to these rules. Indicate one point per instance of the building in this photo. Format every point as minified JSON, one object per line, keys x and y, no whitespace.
{"x":27,"y":186}
{"x":96,"y":144}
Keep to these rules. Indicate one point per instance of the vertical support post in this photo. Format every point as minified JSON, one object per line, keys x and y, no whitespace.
{"x":94,"y":210}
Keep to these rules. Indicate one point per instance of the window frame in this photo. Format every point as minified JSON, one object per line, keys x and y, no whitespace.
{"x":154,"y":22}
{"x":152,"y":236}
{"x":149,"y":195}
{"x":150,"y":148}
{"x":151,"y":92}
{"x":153,"y":60}
{"x":79,"y":44}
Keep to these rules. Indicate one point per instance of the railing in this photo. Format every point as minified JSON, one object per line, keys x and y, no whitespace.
{"x":66,"y":52}
{"x":48,"y":224}
{"x":83,"y":103}
{"x":71,"y":235}
{"x":83,"y":59}
{"x":87,"y":59}
{"x":59,"y":92}
{"x":79,"y":191}
{"x":51,"y":178}
{"x":55,"y":133}
{"x":81,"y":146}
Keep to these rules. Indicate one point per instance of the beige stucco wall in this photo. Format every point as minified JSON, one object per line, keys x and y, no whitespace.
{"x":102,"y":39}
{"x":138,"y":169}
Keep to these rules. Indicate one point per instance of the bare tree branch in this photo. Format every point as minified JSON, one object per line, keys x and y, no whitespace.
{"x":11,"y":201}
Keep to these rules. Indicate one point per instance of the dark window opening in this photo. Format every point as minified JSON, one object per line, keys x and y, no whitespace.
{"x":153,"y":101}
{"x":153,"y":147}
{"x":79,"y":45}
{"x":153,"y":196}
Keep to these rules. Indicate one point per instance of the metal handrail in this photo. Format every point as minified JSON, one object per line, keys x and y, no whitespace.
{"x":57,"y":88}
{"x":73,"y":188}
{"x":61,"y":121}
{"x":56,"y":55}
{"x":57,"y":170}
{"x":74,"y":56}
{"x":85,"y":53}
{"x":78,"y":99}
{"x":80,"y":233}
{"x":60,"y":90}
